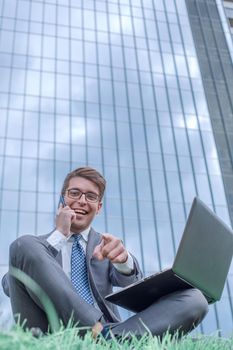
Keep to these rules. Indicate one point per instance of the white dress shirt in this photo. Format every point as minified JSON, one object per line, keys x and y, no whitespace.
{"x":64,"y":244}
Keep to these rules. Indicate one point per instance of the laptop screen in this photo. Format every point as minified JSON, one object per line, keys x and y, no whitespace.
{"x":205,"y":251}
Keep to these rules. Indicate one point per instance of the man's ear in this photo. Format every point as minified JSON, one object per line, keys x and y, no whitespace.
{"x":98,"y":208}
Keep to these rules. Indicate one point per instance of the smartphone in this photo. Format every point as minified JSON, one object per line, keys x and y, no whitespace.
{"x":62,"y":201}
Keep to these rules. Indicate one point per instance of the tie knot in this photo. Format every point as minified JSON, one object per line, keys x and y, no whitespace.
{"x":77,"y":237}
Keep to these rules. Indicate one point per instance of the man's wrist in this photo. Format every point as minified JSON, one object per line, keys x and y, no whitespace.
{"x":127,"y":267}
{"x":57,"y":239}
{"x":63,"y":231}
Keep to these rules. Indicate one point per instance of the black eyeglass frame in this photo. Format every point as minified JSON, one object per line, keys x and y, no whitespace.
{"x":96,"y":199}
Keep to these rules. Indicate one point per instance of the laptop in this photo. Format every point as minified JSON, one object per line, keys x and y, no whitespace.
{"x":202,"y":261}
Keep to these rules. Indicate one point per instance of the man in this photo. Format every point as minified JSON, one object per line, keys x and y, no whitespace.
{"x":77,"y":267}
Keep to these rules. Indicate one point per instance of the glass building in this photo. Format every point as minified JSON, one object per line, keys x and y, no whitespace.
{"x":228,"y":5}
{"x":140,"y":90}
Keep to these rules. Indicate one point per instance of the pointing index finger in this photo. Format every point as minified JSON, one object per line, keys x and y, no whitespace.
{"x":107,"y":237}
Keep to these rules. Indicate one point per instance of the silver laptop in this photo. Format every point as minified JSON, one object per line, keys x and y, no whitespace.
{"x":202,"y":261}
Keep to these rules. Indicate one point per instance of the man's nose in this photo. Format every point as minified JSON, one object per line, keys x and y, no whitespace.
{"x":82,"y":198}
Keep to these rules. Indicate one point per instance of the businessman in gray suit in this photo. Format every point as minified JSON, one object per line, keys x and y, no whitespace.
{"x":54,"y":262}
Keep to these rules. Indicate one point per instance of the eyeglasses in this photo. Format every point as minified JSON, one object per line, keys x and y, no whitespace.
{"x":75,"y":193}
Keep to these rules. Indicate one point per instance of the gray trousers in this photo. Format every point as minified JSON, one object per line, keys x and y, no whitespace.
{"x":180,"y":311}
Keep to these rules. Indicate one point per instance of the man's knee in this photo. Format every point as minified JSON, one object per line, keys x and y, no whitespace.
{"x":20,"y":247}
{"x":198,"y":307}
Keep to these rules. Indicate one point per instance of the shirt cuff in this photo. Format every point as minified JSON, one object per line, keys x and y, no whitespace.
{"x":126,"y":267}
{"x":57,"y":240}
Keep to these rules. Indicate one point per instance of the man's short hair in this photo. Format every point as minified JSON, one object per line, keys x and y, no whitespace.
{"x":89,"y":174}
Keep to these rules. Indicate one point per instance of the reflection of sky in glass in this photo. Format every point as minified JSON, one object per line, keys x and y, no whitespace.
{"x":54,"y":80}
{"x":118,"y":89}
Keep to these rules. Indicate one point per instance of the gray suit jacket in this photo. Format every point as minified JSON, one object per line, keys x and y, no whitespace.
{"x":102,"y":275}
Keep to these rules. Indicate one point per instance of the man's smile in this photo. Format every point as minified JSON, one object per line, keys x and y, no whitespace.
{"x":80,"y":211}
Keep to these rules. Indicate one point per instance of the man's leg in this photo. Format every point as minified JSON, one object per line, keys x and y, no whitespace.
{"x":25,"y":310}
{"x":177,"y":312}
{"x":31,"y":255}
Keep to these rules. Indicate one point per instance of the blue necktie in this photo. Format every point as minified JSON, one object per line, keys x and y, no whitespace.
{"x":79,"y":276}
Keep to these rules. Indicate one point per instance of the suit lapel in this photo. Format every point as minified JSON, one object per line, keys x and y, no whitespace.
{"x":93,"y":240}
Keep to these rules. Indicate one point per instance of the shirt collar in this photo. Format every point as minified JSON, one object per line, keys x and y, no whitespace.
{"x":84,"y":234}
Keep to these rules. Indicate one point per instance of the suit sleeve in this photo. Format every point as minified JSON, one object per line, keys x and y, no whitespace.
{"x":122,"y":280}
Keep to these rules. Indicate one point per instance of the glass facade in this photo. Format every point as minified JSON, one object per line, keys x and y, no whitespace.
{"x":116,"y":85}
{"x":228,"y":7}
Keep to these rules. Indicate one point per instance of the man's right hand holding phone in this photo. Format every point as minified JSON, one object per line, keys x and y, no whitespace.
{"x":65,"y":216}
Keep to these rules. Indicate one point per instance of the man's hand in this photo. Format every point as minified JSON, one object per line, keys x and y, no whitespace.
{"x":64,"y":219}
{"x":111,"y":248}
{"x":96,"y":329}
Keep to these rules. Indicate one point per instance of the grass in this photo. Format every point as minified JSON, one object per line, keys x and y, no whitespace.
{"x":68,"y":339}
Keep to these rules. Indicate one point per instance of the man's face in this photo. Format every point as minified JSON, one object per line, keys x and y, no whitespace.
{"x":85,"y":210}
